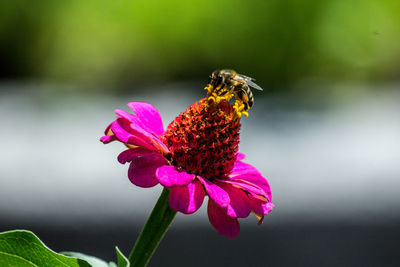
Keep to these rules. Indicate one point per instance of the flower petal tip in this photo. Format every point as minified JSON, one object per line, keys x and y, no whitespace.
{"x":240,"y":156}
{"x":134,"y":152}
{"x":215,"y":192}
{"x":148,"y":115}
{"x":187,"y":199}
{"x":107,"y":139}
{"x":142,"y":170}
{"x":169,"y":176}
{"x":225,"y":225}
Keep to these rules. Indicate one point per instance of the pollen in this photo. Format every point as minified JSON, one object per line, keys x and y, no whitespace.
{"x":239,"y":109}
{"x":204,"y":139}
{"x":225,"y":95}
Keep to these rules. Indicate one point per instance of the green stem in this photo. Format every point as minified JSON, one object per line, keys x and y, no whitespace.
{"x":153,"y":231}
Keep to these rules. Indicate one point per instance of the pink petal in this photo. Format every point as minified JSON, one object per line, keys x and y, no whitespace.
{"x":142,"y":171}
{"x":245,"y":172}
{"x":240,"y":156}
{"x":149,"y":116}
{"x":224,"y":224}
{"x":137,"y":136}
{"x":130,"y":154}
{"x":247,"y":186}
{"x":135,"y":129}
{"x":260,"y":207}
{"x":187,"y":199}
{"x":268,"y":207}
{"x":136,"y":125}
{"x":120,"y":133}
{"x":109,"y":135}
{"x":239,"y":206}
{"x":215,"y":192}
{"x":169,"y":176}
{"x":121,"y":129}
{"x":135,"y":122}
{"x":243,"y":168}
{"x":107,"y":131}
{"x":260,"y":181}
{"x":107,"y":139}
{"x":139,"y":132}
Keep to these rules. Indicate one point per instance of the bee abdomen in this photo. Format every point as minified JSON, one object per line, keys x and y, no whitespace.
{"x":251,"y":97}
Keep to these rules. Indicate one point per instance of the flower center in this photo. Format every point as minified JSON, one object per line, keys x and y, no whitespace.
{"x":204,"y":139}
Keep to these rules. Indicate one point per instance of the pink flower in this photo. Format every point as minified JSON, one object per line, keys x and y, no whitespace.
{"x":197,"y":155}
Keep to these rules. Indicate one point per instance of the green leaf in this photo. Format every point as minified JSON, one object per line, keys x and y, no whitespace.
{"x":122,"y":260}
{"x":23,"y":249}
{"x":93,"y":261}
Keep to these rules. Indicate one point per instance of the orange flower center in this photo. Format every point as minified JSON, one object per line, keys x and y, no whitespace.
{"x":204,"y":139}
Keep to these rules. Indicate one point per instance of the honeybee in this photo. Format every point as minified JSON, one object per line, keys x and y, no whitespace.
{"x":229,"y":81}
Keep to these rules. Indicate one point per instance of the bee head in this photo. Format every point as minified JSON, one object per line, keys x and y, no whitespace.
{"x":216,"y":78}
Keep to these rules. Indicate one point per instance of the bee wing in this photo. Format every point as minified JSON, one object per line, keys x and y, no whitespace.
{"x":254,"y":85}
{"x":247,"y":78}
{"x":250,"y":82}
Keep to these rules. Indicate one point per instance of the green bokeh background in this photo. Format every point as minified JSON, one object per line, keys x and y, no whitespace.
{"x":325,"y":130}
{"x":122,"y":45}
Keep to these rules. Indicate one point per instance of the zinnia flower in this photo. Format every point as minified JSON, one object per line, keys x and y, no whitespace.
{"x":197,"y":155}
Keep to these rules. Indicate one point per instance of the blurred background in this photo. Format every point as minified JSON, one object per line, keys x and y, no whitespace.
{"x":325,"y":131}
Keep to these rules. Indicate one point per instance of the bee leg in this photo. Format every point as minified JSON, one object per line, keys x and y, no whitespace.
{"x":224,"y":92}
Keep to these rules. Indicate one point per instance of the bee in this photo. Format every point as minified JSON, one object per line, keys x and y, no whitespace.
{"x":229,"y":81}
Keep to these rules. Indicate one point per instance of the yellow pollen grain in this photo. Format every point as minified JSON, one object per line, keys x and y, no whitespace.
{"x":216,"y":98}
{"x":239,"y":109}
{"x":209,"y":88}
